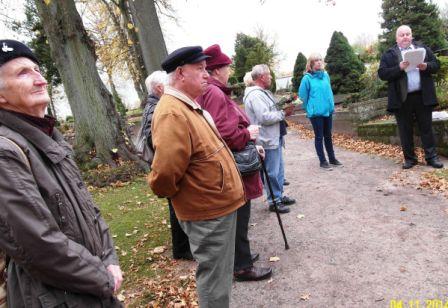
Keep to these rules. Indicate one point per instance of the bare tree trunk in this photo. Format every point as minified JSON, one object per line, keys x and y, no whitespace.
{"x":97,"y":123}
{"x":135,"y":47}
{"x":51,"y":110}
{"x":138,"y":75}
{"x":150,"y":34}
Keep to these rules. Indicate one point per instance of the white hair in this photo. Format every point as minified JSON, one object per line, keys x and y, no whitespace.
{"x":170,"y":77}
{"x":259,"y":70}
{"x":248,"y":81}
{"x":155,"y":79}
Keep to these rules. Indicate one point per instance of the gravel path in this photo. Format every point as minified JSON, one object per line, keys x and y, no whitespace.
{"x":363,"y":240}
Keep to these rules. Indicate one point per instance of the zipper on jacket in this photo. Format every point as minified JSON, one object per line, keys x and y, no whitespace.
{"x":60,"y":205}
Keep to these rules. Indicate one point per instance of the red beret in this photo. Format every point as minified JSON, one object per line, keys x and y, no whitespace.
{"x":217,"y":58}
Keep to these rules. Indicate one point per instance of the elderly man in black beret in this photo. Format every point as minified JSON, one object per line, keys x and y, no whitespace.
{"x":61,"y":253}
{"x":194,"y":168}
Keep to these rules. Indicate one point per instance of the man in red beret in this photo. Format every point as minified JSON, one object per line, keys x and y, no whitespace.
{"x":234,"y":127}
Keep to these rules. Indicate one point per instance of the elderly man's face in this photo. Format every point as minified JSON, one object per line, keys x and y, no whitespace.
{"x":404,"y":37}
{"x":194,"y":78}
{"x":266,"y":79}
{"x":23,"y":88}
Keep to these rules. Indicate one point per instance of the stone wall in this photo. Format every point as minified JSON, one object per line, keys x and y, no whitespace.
{"x":387,"y":132}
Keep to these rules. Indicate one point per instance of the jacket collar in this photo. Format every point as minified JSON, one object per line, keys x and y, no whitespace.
{"x":227,"y":91}
{"x":180,"y":95}
{"x":54,"y":147}
{"x":186,"y":100}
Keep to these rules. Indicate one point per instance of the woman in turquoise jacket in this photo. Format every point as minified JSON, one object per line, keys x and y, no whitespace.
{"x":317,"y":97}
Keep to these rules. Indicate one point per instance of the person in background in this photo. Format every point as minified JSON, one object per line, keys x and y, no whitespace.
{"x":261,"y":108}
{"x":194,"y":168}
{"x":155,"y":84}
{"x":234,"y":127}
{"x":317,"y":97}
{"x":411,"y":95}
{"x":60,"y":249}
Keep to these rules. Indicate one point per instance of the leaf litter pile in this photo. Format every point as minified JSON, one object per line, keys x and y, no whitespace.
{"x":435,"y":181}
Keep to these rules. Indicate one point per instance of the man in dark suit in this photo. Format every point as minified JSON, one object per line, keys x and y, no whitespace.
{"x":411,"y":95}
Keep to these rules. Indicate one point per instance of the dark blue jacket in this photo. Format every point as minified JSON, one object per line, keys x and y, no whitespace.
{"x":397,"y":79}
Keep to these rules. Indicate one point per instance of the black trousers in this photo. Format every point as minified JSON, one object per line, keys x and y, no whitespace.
{"x":179,"y":239}
{"x":243,"y":258}
{"x":413,"y":109}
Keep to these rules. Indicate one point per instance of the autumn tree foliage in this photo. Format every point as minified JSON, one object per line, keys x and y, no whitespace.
{"x":97,"y":123}
{"x":250,"y":51}
{"x":343,"y":65}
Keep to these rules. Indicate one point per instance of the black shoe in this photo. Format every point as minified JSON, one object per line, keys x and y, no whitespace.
{"x":184,"y":256}
{"x":335,"y":162}
{"x":253,"y":274}
{"x":325,"y":165}
{"x":285,"y":183}
{"x":254,"y":257}
{"x":287,"y":200}
{"x":408,"y":164}
{"x":435,"y":163}
{"x":282,"y":209}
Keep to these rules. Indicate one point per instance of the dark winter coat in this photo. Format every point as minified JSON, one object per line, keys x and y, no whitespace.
{"x":231,"y":122}
{"x":148,"y":112}
{"x":49,"y":226}
{"x":397,"y":79}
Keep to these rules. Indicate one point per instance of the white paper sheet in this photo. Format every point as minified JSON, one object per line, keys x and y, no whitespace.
{"x":414,"y":57}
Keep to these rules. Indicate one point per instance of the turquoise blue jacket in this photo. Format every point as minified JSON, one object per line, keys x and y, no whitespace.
{"x":316,"y":94}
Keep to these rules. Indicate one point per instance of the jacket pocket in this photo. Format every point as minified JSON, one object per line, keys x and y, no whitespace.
{"x":51,"y":300}
{"x":209,"y":174}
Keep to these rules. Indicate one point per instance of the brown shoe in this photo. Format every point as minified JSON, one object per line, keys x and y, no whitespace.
{"x":253,"y":274}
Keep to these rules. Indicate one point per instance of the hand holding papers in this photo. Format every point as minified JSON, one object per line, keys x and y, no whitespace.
{"x":414,"y":57}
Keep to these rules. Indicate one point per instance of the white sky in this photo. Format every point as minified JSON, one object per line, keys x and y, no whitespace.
{"x":296,"y":25}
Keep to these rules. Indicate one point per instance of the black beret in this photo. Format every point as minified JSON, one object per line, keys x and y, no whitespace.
{"x":10,"y":49}
{"x":181,"y":56}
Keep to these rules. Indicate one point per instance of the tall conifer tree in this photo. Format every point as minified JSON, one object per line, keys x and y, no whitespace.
{"x":299,"y":68}
{"x":343,"y":65}
{"x":422,"y":16}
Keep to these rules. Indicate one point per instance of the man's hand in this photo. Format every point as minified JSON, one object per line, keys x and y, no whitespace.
{"x":422,"y":66}
{"x":118,"y":276}
{"x":288,"y":110}
{"x":260,"y":151}
{"x":404,"y":65}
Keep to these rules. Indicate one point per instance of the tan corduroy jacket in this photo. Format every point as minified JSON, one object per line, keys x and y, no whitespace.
{"x":192,"y":164}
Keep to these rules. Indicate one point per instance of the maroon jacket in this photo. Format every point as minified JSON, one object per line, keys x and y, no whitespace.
{"x":231,"y":122}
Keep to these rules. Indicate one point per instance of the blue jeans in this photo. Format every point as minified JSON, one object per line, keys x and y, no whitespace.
{"x":274,"y":167}
{"x":322,"y":132}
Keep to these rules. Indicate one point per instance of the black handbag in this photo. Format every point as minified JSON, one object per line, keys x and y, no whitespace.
{"x":248,"y":160}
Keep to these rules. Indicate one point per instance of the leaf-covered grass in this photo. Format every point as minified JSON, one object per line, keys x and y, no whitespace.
{"x":138,"y":222}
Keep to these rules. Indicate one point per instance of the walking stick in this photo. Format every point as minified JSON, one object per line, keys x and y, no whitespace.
{"x":274,"y":202}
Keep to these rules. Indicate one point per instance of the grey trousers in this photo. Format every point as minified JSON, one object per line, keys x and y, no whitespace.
{"x":212,"y":243}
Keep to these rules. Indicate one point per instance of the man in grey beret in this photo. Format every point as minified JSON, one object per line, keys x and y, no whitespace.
{"x":60,"y":250}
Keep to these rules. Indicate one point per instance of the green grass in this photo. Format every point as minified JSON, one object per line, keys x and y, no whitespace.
{"x":133,"y":112}
{"x":138,"y":221}
{"x":443,"y":173}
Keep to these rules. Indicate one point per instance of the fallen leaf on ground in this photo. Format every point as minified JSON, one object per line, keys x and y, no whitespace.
{"x":121,"y":297}
{"x":305,"y":296}
{"x":253,"y":224}
{"x":403,"y":209}
{"x":164,"y":222}
{"x":300,"y":216}
{"x":128,"y":234}
{"x":159,"y":249}
{"x":274,"y":259}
